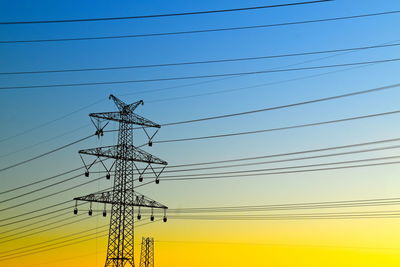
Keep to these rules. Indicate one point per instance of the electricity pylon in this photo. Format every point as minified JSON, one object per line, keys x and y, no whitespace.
{"x":122,"y":197}
{"x":147,"y":252}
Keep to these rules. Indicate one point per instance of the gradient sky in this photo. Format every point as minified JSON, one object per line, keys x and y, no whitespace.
{"x":367,"y":242}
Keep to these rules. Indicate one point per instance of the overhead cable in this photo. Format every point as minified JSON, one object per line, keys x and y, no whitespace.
{"x":218,"y":11}
{"x":212,"y":30}
{"x":177,"y":78}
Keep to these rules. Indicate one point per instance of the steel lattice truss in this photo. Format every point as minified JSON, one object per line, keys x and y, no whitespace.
{"x":131,"y":119}
{"x":147,"y":252}
{"x":122,"y":198}
{"x":114,"y":152}
{"x":108,"y":197}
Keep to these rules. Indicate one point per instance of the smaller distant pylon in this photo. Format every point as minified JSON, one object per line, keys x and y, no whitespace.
{"x":147,"y":252}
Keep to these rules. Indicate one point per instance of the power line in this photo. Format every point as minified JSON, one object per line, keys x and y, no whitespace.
{"x":293,"y":217}
{"x":237,"y":165}
{"x":224,"y":91}
{"x":163,"y":15}
{"x":259,"y":85}
{"x":54,"y":239}
{"x":230,"y":90}
{"x":244,"y":164}
{"x":54,"y":213}
{"x":280,"y":128}
{"x":32,"y":230}
{"x":283,"y":168}
{"x":52,"y":194}
{"x":259,"y":157}
{"x":36,"y":222}
{"x":22,"y":254}
{"x":226,"y":135}
{"x":283,"y":207}
{"x":204,"y":61}
{"x":79,"y":110}
{"x":45,"y":230}
{"x":41,"y":188}
{"x":40,"y":181}
{"x":201,"y":76}
{"x":66,"y":259}
{"x":290,"y":206}
{"x":51,"y":206}
{"x":303,"y":166}
{"x":223,"y":135}
{"x":287,"y":105}
{"x":275,"y":161}
{"x":34,"y":217}
{"x":40,"y":221}
{"x":16,"y":237}
{"x":283,"y":172}
{"x":45,"y":154}
{"x":294,"y":206}
{"x":159,"y":34}
{"x":184,"y":97}
{"x":45,"y":124}
{"x":160,"y":89}
{"x":363,"y":214}
{"x":355,"y":215}
{"x":246,"y":243}
{"x":285,"y":160}
{"x":50,"y":122}
{"x":204,"y":175}
{"x":223,"y":116}
{"x":273,"y":155}
{"x":288,"y":153}
{"x":42,"y":142}
{"x":34,"y":211}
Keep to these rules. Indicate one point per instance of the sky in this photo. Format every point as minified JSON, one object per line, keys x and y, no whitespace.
{"x":36,"y":120}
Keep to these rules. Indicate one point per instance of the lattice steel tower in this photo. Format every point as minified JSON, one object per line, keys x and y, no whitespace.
{"x":147,"y":252}
{"x":122,"y":197}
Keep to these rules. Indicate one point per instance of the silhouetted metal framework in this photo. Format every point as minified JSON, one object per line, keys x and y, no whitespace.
{"x":147,"y":252}
{"x":122,"y":198}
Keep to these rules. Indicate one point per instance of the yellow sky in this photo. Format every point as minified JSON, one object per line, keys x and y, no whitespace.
{"x":278,"y":243}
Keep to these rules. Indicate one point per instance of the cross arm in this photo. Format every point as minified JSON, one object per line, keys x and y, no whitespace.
{"x":107,"y":197}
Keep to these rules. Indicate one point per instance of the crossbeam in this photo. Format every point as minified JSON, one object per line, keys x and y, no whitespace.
{"x":130,"y":118}
{"x":107,"y":197}
{"x":136,"y":154}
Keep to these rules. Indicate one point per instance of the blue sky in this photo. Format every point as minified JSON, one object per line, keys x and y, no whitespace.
{"x":23,"y":109}
{"x":63,"y":114}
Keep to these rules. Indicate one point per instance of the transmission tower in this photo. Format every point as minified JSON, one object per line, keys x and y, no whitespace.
{"x":147,"y":253}
{"x":123,"y":198}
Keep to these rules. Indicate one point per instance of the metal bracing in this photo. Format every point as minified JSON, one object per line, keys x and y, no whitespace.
{"x":124,"y":108}
{"x":147,"y":252}
{"x":122,"y":198}
{"x":136,"y":154}
{"x":107,"y":197}
{"x":131,"y":118}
